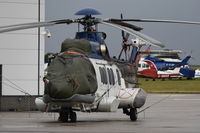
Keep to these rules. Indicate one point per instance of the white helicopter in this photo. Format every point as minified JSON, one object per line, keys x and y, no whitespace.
{"x":83,"y":77}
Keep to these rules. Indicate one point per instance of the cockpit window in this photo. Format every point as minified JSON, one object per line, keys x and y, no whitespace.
{"x":91,"y":36}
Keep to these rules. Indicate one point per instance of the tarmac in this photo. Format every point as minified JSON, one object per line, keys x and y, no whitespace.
{"x":170,"y":113}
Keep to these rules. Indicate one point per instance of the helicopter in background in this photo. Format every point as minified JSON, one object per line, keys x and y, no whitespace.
{"x":160,"y":69}
{"x":83,"y":76}
{"x":161,"y":64}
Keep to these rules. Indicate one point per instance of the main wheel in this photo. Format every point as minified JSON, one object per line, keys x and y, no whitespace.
{"x":133,"y":114}
{"x":126,"y":111}
{"x":63,"y":116}
{"x":73,"y":116}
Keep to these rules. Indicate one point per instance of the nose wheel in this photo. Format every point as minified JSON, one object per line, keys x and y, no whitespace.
{"x":66,"y":114}
{"x":72,"y":116}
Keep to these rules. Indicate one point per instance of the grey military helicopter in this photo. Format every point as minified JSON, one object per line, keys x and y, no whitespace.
{"x":83,"y":76}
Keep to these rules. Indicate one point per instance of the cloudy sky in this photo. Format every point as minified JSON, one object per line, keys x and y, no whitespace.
{"x":173,"y":36}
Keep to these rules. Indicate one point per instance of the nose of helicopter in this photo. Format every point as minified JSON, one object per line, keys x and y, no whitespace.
{"x":58,"y":89}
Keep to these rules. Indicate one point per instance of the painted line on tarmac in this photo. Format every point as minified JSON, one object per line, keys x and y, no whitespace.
{"x":173,"y":95}
{"x":179,"y":99}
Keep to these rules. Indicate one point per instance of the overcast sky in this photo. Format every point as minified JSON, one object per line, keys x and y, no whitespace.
{"x":173,"y":36}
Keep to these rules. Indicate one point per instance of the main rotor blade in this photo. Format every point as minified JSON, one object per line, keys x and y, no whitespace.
{"x":123,"y":34}
{"x":127,"y":36}
{"x":16,"y":27}
{"x":158,"y":20}
{"x":134,"y":27}
{"x":139,"y":35}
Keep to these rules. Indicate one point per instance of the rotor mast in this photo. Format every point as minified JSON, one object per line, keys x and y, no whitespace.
{"x":88,"y":21}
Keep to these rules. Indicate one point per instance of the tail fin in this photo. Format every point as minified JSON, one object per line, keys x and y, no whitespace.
{"x":134,"y":54}
{"x":185,"y":60}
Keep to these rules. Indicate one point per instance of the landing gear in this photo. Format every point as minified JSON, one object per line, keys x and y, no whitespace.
{"x":72,"y":116}
{"x":132,"y":113}
{"x":67,"y":113}
{"x":63,"y":116}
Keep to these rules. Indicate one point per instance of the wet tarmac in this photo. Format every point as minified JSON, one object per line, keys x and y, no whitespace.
{"x":176,"y":113}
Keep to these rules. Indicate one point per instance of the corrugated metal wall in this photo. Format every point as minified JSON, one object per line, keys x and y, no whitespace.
{"x":19,"y":49}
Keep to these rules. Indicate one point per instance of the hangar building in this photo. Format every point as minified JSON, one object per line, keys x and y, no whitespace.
{"x":21,"y":55}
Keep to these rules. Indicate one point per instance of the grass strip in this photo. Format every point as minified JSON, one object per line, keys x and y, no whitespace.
{"x":170,"y":85}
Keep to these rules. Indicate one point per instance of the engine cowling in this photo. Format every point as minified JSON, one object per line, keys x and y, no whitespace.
{"x":108,"y":104}
{"x":132,"y":97}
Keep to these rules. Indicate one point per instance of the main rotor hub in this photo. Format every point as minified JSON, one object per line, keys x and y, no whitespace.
{"x":88,"y":21}
{"x":88,"y":12}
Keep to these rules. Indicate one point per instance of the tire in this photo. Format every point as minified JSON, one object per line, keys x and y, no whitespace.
{"x":133,"y":114}
{"x":63,"y":116}
{"x":73,"y":116}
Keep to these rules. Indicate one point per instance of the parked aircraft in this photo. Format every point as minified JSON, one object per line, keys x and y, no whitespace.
{"x":162,"y":64}
{"x":148,"y":69}
{"x":159,"y":68}
{"x":83,"y":77}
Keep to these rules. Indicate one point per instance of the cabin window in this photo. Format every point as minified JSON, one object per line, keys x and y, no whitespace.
{"x":101,"y":73}
{"x":104,"y":76}
{"x":112,"y":76}
{"x":118,"y":77}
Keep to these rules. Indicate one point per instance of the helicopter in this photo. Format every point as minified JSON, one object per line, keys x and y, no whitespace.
{"x":83,"y":76}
